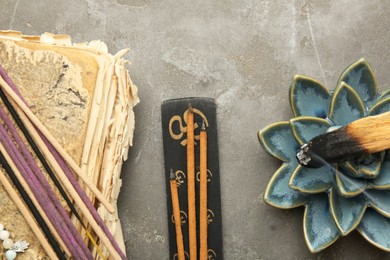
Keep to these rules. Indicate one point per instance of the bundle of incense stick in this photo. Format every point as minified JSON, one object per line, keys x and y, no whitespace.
{"x":363,"y":136}
{"x":203,"y":254}
{"x":58,"y":108}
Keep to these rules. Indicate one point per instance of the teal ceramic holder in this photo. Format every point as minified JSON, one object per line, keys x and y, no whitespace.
{"x":338,"y":198}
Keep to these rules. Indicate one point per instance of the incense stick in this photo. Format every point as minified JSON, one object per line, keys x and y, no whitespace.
{"x":203,"y":194}
{"x":191,"y":183}
{"x":176,"y":216}
{"x":55,"y":143}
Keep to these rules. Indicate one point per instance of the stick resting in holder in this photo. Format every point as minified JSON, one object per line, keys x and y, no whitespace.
{"x":364,"y":136}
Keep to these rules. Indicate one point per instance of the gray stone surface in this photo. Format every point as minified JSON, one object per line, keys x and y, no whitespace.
{"x":243,"y":54}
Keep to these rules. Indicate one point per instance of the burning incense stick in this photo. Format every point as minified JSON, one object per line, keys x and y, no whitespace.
{"x":176,"y":217}
{"x":203,"y":194}
{"x":191,"y":183}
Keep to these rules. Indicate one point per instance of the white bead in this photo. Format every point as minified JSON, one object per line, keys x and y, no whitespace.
{"x":8,"y":243}
{"x":4,"y":235}
{"x":1,"y":227}
{"x":10,"y":254}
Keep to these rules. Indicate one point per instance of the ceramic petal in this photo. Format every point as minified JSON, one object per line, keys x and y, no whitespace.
{"x":279,"y":194}
{"x":305,"y":128}
{"x":308,"y":97}
{"x":369,"y":170}
{"x":319,"y":227}
{"x":360,"y":77}
{"x":375,"y":228}
{"x":383,"y":180}
{"x":379,"y":200}
{"x":278,"y":140}
{"x":347,"y":212}
{"x":349,"y":187}
{"x":381,"y":107}
{"x":384,"y":95}
{"x":346,"y":105}
{"x":310,"y":180}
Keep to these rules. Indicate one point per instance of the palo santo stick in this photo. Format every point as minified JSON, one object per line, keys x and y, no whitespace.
{"x":363,"y":136}
{"x":76,"y":168}
{"x":34,"y":201}
{"x":203,"y":194}
{"x":69,"y":187}
{"x":176,"y":217}
{"x":191,"y":183}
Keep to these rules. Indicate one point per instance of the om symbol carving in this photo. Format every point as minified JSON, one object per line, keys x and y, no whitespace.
{"x":209,"y":175}
{"x":211,"y":254}
{"x":183,"y":127}
{"x":180,"y":176}
{"x":183,"y":217}
{"x":210,"y":216}
{"x":186,"y":255}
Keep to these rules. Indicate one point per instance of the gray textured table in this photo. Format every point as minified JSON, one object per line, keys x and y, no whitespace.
{"x":243,"y":54}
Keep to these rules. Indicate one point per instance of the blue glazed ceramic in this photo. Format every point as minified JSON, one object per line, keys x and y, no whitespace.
{"x":338,"y":198}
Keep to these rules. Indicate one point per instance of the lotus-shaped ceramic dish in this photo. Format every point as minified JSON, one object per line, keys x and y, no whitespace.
{"x":338,"y":198}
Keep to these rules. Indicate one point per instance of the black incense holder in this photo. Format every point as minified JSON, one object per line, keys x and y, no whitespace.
{"x":175,"y":156}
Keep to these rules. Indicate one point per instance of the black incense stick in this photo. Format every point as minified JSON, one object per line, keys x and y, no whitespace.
{"x":50,"y":238}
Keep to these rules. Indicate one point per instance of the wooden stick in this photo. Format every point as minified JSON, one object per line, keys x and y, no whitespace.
{"x":33,"y":199}
{"x":203,"y":194}
{"x":191,"y":183}
{"x":176,"y":217}
{"x":76,"y":168}
{"x":27,"y":215}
